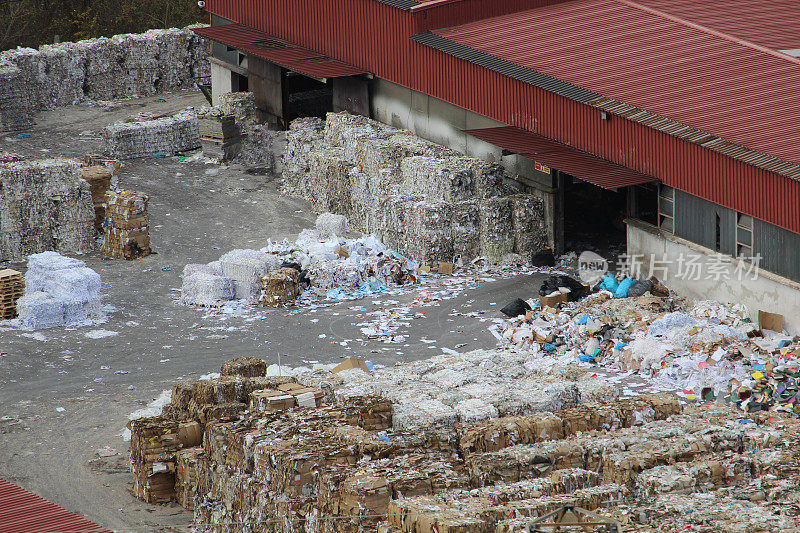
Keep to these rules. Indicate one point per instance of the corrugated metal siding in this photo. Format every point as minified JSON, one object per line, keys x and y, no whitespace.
{"x":779,"y":249}
{"x":365,"y":33}
{"x":24,"y":512}
{"x":376,"y":37}
{"x":695,"y":220}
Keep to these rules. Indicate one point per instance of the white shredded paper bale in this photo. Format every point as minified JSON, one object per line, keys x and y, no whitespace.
{"x":329,"y":225}
{"x":206,"y":289}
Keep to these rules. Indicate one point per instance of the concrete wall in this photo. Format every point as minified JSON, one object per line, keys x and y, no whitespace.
{"x":718,"y":276}
{"x":220,"y":80}
{"x":443,"y":123}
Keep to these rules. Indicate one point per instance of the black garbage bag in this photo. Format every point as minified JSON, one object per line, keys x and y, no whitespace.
{"x":292,"y":264}
{"x":515,"y":308}
{"x":303,"y":278}
{"x":543,"y":258}
{"x":551,"y":284}
{"x":640,"y":287}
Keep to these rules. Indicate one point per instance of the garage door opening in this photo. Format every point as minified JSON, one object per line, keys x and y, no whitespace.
{"x":307,"y":97}
{"x":594,"y":217}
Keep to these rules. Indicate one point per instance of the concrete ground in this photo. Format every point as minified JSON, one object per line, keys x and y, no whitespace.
{"x":62,"y":404}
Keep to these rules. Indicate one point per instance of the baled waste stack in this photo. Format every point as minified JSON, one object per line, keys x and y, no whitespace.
{"x":44,"y":205}
{"x":641,"y":460}
{"x":15,"y":114}
{"x":59,"y":291}
{"x":159,"y":136}
{"x":99,"y":179}
{"x":422,"y":199}
{"x":126,"y":233}
{"x":126,"y":65}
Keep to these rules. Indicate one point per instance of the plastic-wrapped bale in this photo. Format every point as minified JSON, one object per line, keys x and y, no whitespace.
{"x":15,"y":111}
{"x":530,"y":233}
{"x":429,"y":229}
{"x":496,"y":228}
{"x":154,"y":443}
{"x":465,"y":229}
{"x":330,"y":225}
{"x":279,"y":287}
{"x":246,"y":268}
{"x":126,"y":226}
{"x":168,"y":135}
{"x":205,"y":289}
{"x":44,"y":205}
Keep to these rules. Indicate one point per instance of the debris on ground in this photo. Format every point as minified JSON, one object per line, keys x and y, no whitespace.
{"x":59,"y":291}
{"x":335,"y":268}
{"x":126,"y":232}
{"x":703,"y":350}
{"x":343,"y":450}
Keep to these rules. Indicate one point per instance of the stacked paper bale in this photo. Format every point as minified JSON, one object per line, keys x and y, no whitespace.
{"x":44,"y":205}
{"x":420,"y":198}
{"x":12,"y":287}
{"x":241,"y":106}
{"x":60,"y":291}
{"x":530,"y":234}
{"x":101,"y":69}
{"x":126,"y":226}
{"x":246,"y":268}
{"x":15,"y":114}
{"x":168,"y":135}
{"x":99,"y":179}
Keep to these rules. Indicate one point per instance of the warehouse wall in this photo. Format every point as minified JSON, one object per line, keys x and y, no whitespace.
{"x":718,"y":279}
{"x":443,"y":123}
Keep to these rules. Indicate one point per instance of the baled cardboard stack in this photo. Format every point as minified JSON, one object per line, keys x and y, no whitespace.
{"x":99,"y":180}
{"x":279,"y":287}
{"x":154,"y":443}
{"x":12,"y":287}
{"x":126,"y":226}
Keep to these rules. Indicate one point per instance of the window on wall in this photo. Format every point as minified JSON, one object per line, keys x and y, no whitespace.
{"x":744,"y":235}
{"x":666,"y":209}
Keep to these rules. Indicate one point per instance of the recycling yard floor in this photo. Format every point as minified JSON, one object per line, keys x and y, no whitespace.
{"x":64,"y":404}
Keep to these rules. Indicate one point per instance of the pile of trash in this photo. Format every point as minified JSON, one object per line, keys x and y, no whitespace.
{"x":59,"y":291}
{"x":704,"y":350}
{"x":160,"y":136}
{"x":325,"y":264}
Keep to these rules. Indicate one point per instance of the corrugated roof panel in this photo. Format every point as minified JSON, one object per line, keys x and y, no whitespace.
{"x":24,"y":512}
{"x":278,"y":51}
{"x":715,"y":83}
{"x":562,"y":157}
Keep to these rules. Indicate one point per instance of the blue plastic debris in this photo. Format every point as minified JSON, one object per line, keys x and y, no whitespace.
{"x":549,"y":348}
{"x":22,"y":135}
{"x":622,"y":289}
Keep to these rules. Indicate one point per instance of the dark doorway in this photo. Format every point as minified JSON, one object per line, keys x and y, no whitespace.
{"x":239,"y":83}
{"x":594,"y":218}
{"x":306,"y":97}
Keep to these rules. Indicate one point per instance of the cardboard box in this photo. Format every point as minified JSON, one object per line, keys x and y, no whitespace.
{"x":552,"y":301}
{"x":770,"y":321}
{"x":352,"y":362}
{"x":446,"y":268}
{"x":190,"y":434}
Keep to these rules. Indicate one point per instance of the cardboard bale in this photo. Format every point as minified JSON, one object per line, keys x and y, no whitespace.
{"x":369,"y":412}
{"x":244,"y":366}
{"x":154,"y":443}
{"x":279,"y":287}
{"x":186,"y":477}
{"x":268,"y":400}
{"x":126,"y":226}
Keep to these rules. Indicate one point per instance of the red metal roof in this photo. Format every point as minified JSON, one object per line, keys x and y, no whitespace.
{"x":739,"y":91}
{"x":773,"y":24}
{"x":24,"y":512}
{"x":562,"y":157}
{"x":279,"y":51}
